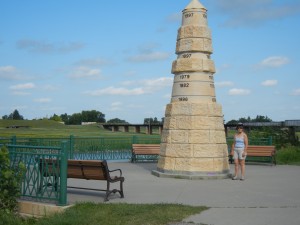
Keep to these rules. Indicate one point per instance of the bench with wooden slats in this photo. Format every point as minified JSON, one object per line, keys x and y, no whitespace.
{"x":257,"y":153}
{"x":145,"y":150}
{"x":83,"y":169}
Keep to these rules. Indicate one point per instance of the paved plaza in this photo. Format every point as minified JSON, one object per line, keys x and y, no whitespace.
{"x":270,"y":194}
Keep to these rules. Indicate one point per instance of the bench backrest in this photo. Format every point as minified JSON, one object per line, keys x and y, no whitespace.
{"x":81,"y":169}
{"x":87,"y":169}
{"x":146,"y":148}
{"x":261,"y":150}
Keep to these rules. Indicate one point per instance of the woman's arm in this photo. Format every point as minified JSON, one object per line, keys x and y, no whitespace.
{"x":246,"y":143}
{"x":232,"y":146}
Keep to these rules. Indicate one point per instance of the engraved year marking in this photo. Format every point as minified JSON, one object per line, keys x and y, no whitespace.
{"x":187,"y":56}
{"x":183,"y":99}
{"x":189,"y":15}
{"x":185,"y":76}
{"x":184,"y":85}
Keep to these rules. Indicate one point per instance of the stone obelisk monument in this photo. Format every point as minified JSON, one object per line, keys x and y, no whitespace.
{"x":193,"y":143}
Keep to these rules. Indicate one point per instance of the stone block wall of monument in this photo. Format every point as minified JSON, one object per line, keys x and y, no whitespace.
{"x":193,"y":143}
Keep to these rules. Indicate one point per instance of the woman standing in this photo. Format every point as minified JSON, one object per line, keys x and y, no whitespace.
{"x":239,"y":151}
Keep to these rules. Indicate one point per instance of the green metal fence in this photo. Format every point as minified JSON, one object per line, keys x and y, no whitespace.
{"x":94,"y":148}
{"x":38,"y":183}
{"x":108,"y":148}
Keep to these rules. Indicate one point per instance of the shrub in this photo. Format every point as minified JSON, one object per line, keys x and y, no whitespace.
{"x":289,"y":155}
{"x":10,"y":182}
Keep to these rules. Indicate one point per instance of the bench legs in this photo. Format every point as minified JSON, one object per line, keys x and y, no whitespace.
{"x":133,"y":158}
{"x":108,"y":191}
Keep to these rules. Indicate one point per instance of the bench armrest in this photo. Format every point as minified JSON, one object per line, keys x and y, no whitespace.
{"x":115,"y":171}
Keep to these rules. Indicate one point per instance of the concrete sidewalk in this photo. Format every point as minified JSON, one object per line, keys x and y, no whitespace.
{"x":269,"y":195}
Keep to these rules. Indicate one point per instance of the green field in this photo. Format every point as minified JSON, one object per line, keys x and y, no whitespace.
{"x":49,"y":128}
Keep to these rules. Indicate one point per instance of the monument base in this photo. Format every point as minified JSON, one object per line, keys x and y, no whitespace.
{"x":192,"y":175}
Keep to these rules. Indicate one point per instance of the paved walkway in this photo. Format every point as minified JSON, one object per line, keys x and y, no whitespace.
{"x":270,"y":195}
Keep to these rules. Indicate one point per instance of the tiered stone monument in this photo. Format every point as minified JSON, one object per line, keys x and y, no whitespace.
{"x":193,"y":143}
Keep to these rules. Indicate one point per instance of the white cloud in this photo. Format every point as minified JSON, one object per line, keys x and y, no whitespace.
{"x":153,"y":83}
{"x":50,"y":87}
{"x":43,"y":100}
{"x":224,"y":84}
{"x":274,"y":61}
{"x":116,"y":106}
{"x":148,"y":53}
{"x":93,"y":62}
{"x":9,"y":73}
{"x":20,"y":93}
{"x":135,"y":106}
{"x":236,"y":91}
{"x":130,"y":73}
{"x":269,"y":83}
{"x":255,"y":12}
{"x":149,"y":57}
{"x":22,"y":86}
{"x":47,"y":47}
{"x":7,"y":69}
{"x":144,"y":87}
{"x":159,"y":82}
{"x":85,"y":72}
{"x":296,"y":92}
{"x":175,"y":17}
{"x":116,"y":91}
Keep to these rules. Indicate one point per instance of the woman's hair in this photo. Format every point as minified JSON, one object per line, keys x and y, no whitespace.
{"x":239,"y":125}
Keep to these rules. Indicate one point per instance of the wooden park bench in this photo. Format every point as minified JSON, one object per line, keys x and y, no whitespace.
{"x":83,"y":169}
{"x":145,"y":150}
{"x":257,"y":153}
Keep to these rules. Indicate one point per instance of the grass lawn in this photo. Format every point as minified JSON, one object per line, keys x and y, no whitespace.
{"x":113,"y":214}
{"x":49,"y":128}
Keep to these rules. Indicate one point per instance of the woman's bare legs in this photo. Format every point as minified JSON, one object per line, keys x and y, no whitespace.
{"x":242,"y":163}
{"x":236,"y":167}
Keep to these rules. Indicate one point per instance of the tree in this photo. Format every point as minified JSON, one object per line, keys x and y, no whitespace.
{"x":15,"y":115}
{"x":56,"y":118}
{"x":84,"y":116}
{"x":5,"y":117}
{"x":65,"y":118}
{"x":93,"y":116}
{"x":262,"y":119}
{"x":152,"y":121}
{"x":258,"y":118}
{"x":75,"y":119}
{"x":117,"y":120}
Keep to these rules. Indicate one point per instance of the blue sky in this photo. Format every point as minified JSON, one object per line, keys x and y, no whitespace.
{"x":63,"y":56}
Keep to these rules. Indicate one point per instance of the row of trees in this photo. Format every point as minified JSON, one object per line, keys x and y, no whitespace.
{"x":78,"y":118}
{"x":84,"y":116}
{"x":258,"y":118}
{"x":153,"y":121}
{"x":74,"y":119}
{"x":15,"y":115}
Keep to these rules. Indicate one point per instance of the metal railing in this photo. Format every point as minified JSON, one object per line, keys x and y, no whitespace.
{"x":104,"y":148}
{"x":38,"y":184}
{"x":94,"y":148}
